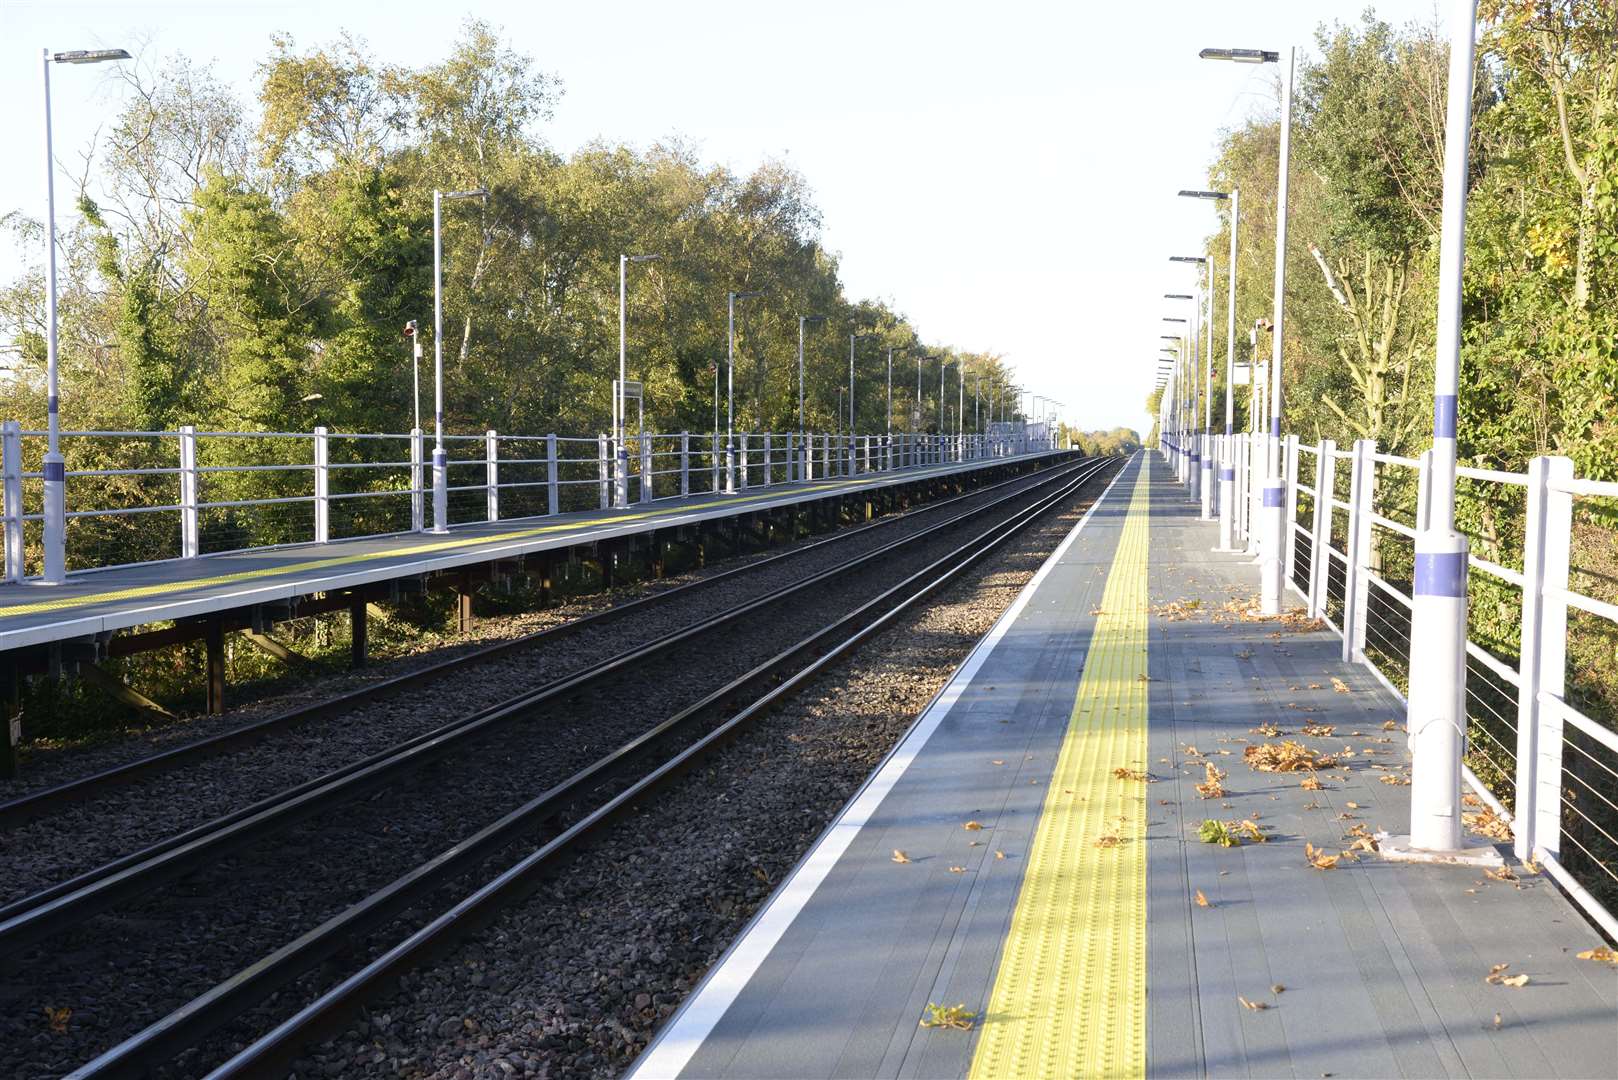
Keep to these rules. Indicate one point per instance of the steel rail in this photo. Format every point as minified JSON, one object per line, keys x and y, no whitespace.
{"x":59,"y":907}
{"x":224,"y":1002}
{"x":33,"y":804}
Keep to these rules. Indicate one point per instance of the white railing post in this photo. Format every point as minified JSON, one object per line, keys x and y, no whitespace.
{"x":1289,"y":566}
{"x":1555,"y":543}
{"x":769,"y":447}
{"x":1320,"y":538}
{"x":418,"y":493}
{"x":603,"y":471}
{"x":685,"y":463}
{"x":322,"y":489}
{"x":491,"y":465}
{"x":792,"y":457}
{"x":553,"y":489}
{"x":190,"y":534}
{"x":1361,"y":541}
{"x":713,"y":461}
{"x":1255,"y":492}
{"x":741,"y":457}
{"x":11,"y":460}
{"x":1351,"y":590}
{"x":648,"y":482}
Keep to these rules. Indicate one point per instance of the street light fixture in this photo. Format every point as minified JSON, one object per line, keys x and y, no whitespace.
{"x":803,"y":320}
{"x":620,"y":421}
{"x":730,"y":386}
{"x":54,"y":468}
{"x":1201,"y":387}
{"x":440,"y":458}
{"x":852,"y":338}
{"x":1272,"y":550}
{"x":1227,"y":462}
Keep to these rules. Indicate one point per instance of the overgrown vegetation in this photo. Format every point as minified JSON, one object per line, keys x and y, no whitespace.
{"x":1540,"y":345}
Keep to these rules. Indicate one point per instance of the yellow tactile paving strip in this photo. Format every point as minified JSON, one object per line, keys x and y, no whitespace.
{"x":140,"y":592}
{"x":1069,"y":999}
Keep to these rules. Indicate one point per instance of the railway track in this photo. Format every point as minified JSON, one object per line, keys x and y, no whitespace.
{"x":581,"y":791}
{"x":32,"y":805}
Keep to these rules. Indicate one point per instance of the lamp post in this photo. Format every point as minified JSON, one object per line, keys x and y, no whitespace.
{"x":440,"y":458}
{"x":1227,"y":460}
{"x":851,"y":462}
{"x":1203,"y":361}
{"x":730,"y":386}
{"x":1172,"y":405}
{"x":1436,"y":716}
{"x":1187,"y":397}
{"x":54,"y":467}
{"x":619,"y":421}
{"x":803,"y":451}
{"x":1272,"y":548}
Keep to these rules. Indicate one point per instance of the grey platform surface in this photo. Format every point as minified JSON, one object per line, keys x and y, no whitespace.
{"x":841,"y":992}
{"x":1383,"y":964}
{"x":187,"y":588}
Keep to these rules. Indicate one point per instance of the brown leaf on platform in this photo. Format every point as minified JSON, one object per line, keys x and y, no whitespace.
{"x":899,"y":856}
{"x":1310,"y":783}
{"x":1487,"y":823}
{"x":1286,"y":756}
{"x":1202,"y":901}
{"x":972,"y":826}
{"x":1318,"y":731}
{"x":1319,"y":859}
{"x":1602,"y":955}
{"x":1123,"y":773}
{"x":1497,"y":976}
{"x":1339,"y":685}
{"x":1212,"y":786}
{"x":1256,"y":1006}
{"x":1396,"y":781}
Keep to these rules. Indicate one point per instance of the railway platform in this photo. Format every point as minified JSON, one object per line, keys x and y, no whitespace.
{"x":1075,"y":865}
{"x":205,"y":597}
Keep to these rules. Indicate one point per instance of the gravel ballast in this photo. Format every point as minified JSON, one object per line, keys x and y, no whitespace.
{"x":573,"y":982}
{"x":163,"y":950}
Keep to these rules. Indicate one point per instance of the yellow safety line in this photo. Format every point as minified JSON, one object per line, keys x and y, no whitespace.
{"x":1069,"y":999}
{"x":140,"y":591}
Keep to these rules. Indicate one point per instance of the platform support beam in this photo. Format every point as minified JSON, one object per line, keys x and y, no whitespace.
{"x":358,"y":632}
{"x":215,"y":639}
{"x":463,"y":604}
{"x":11,"y":713}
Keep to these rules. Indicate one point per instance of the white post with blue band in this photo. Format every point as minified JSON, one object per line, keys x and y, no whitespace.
{"x":53,"y":470}
{"x":1227,"y":452}
{"x":1436,"y":718}
{"x":1273,"y":524}
{"x":1205,"y":437}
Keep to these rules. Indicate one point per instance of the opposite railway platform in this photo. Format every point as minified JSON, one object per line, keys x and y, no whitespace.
{"x":1033,"y":852}
{"x":93,"y":605}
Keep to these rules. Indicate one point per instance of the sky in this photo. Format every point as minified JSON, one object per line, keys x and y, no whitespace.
{"x":1003,"y":174}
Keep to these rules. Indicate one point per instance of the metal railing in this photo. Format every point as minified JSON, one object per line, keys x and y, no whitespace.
{"x":1542,"y":742}
{"x":139,"y":497}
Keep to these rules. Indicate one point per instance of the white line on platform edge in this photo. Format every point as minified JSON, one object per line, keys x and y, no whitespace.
{"x":677,"y":1043}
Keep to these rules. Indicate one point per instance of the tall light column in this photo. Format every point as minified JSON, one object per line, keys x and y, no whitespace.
{"x":1202,"y":386}
{"x":619,"y":424}
{"x":730,"y":386}
{"x":53,"y":469}
{"x":851,"y":464}
{"x":440,"y":458}
{"x":803,"y":449}
{"x":1227,"y":464}
{"x":1272,"y":548}
{"x":1187,"y":397}
{"x":1436,"y":716}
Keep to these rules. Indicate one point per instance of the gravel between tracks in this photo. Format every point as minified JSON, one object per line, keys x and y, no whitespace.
{"x":215,"y":922}
{"x":82,"y":836}
{"x":573,"y":982}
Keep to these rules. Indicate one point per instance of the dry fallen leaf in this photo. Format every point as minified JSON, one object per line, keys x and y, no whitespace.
{"x":1202,"y":901}
{"x":1212,"y":786}
{"x":1319,"y":859}
{"x":1319,"y":731}
{"x":1487,"y":823}
{"x":1603,"y":955}
{"x":1339,"y":685}
{"x":1278,"y":989}
{"x":957,"y":869}
{"x":999,"y":854}
{"x":1286,"y":756}
{"x":1310,"y":783}
{"x":1108,"y":841}
{"x":1497,"y":1021}
{"x":1130,"y":774}
{"x":899,"y":856}
{"x":1390,"y":725}
{"x":57,"y":1019}
{"x":1497,"y":975}
{"x":1256,"y":1006}
{"x":997,"y":761}
{"x":972,"y":826}
{"x":1396,"y":781}
{"x":1352,"y":805}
